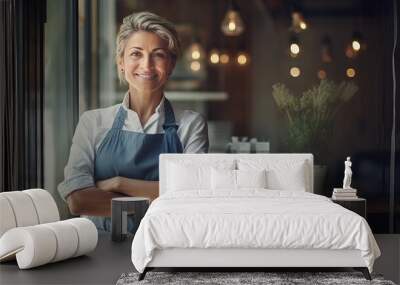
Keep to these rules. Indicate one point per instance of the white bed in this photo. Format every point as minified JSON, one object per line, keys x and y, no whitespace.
{"x":197,"y":224}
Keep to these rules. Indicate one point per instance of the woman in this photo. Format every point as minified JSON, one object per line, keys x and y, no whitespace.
{"x":115,"y":151}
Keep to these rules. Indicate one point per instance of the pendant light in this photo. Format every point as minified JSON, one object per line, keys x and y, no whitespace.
{"x":242,"y":58}
{"x":232,"y":25}
{"x":195,"y":56}
{"x":195,"y":51}
{"x":356,"y":45}
{"x":224,"y":58}
{"x":294,"y":46}
{"x":214,"y":56}
{"x":298,"y":22}
{"x":356,"y":42}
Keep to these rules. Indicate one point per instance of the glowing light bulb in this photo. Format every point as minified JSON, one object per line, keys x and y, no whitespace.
{"x":242,"y":59}
{"x":356,"y":45}
{"x":350,"y":72}
{"x":224,"y":58}
{"x":195,"y":54}
{"x":232,"y":25}
{"x":294,"y":49}
{"x":195,"y":66}
{"x":298,"y":22}
{"x":295,"y":72}
{"x":214,"y":57}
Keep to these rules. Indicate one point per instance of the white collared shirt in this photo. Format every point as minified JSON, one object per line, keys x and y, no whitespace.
{"x":93,"y":126}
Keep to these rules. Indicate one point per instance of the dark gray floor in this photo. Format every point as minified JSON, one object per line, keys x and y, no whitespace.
{"x":102,"y":266}
{"x":389,"y":263}
{"x":111,"y":259}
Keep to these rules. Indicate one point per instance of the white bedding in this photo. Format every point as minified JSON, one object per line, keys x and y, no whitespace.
{"x":251,"y":218}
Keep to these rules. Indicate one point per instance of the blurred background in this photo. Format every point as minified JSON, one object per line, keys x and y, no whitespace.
{"x":276,"y":75}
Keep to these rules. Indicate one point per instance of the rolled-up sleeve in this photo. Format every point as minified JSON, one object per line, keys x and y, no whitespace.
{"x":197,"y":136}
{"x":79,"y":171}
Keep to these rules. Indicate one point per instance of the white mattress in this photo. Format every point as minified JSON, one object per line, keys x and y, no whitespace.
{"x":252,"y":218}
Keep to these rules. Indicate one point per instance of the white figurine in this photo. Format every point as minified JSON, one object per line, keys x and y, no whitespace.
{"x":347,"y":174}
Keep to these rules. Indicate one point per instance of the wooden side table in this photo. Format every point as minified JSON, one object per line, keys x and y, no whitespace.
{"x":357,"y":205}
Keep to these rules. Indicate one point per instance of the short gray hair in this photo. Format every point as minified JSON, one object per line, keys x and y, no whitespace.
{"x":148,"y":22}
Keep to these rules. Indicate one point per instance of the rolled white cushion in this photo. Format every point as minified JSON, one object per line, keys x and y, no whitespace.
{"x":23,"y":208}
{"x":87,"y":235}
{"x":66,"y":238}
{"x":40,"y":244}
{"x":45,"y":205}
{"x":33,"y":246}
{"x":7,"y":218}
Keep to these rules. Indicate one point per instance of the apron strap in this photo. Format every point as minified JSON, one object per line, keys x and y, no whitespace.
{"x":119,"y":119}
{"x":171,"y":143}
{"x":169,"y":116}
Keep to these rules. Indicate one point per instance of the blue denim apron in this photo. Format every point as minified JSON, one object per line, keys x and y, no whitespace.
{"x":133,"y":155}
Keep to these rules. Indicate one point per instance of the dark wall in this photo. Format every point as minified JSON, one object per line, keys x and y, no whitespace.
{"x":363,"y":126}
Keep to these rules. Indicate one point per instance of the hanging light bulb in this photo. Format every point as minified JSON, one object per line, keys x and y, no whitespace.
{"x":232,"y":24}
{"x":195,"y":56}
{"x":214,"y":56}
{"x":357,"y":42}
{"x":350,"y":72}
{"x":224,"y":58}
{"x":195,"y":51}
{"x":242,"y":58}
{"x":195,"y":65}
{"x":294,"y":46}
{"x":298,"y":22}
{"x":356,"y":45}
{"x":295,"y":71}
{"x":294,"y":49}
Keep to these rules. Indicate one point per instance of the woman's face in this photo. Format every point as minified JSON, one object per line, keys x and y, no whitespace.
{"x":146,"y":62}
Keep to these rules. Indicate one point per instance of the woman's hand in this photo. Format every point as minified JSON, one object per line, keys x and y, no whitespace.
{"x":110,"y":184}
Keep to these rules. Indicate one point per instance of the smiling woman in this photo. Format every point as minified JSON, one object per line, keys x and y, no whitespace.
{"x":146,"y":65}
{"x":115,"y":150}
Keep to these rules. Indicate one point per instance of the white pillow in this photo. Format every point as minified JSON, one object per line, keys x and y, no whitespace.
{"x":281,"y":174}
{"x":251,"y":178}
{"x":184,"y":175}
{"x":225,"y":179}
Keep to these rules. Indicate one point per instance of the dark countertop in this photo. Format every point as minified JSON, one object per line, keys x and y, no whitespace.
{"x":104,"y":265}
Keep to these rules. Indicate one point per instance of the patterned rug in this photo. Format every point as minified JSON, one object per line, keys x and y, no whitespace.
{"x":243,"y":278}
